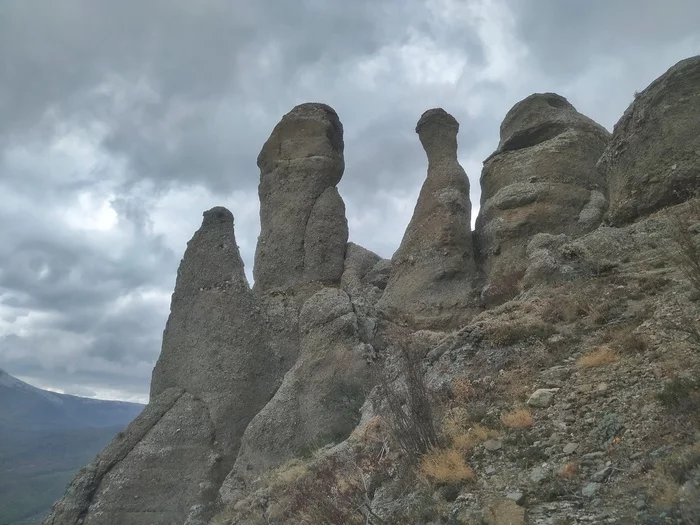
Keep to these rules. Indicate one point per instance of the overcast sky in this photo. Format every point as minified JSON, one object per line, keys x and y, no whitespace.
{"x":121,"y":121}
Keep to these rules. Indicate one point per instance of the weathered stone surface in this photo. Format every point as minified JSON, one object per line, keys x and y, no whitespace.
{"x":542,"y":179}
{"x":215,"y":372}
{"x":303,"y":227}
{"x":433,"y":271}
{"x":653,"y":159}
{"x":542,"y":397}
{"x":214,"y":344}
{"x":358,"y":263}
{"x":504,"y":512}
{"x":74,"y":504}
{"x":320,"y":398}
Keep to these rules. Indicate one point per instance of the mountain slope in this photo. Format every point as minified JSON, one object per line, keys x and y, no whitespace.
{"x":45,"y":438}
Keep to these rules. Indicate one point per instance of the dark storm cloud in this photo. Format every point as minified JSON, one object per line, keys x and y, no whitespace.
{"x":186,"y":91}
{"x":123,"y":120}
{"x":568,"y":36}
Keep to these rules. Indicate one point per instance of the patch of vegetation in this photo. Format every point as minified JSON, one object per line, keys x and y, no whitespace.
{"x":446,"y":465}
{"x":518,"y":419}
{"x":599,"y":357}
{"x":682,"y":395}
{"x":527,"y":328}
{"x":408,"y":409}
{"x":345,"y":400}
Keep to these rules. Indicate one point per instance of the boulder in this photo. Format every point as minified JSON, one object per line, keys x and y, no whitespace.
{"x":653,"y":159}
{"x":542,"y":179}
{"x":303,"y":231}
{"x":433,"y":272}
{"x":358,"y":263}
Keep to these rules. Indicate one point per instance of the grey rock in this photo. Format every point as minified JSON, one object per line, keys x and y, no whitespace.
{"x":542,"y":397}
{"x":516,"y":496}
{"x":433,"y":271}
{"x":591,"y":489}
{"x":303,"y":231}
{"x":215,"y":372}
{"x":504,"y":512}
{"x":592,"y":213}
{"x":358,"y":263}
{"x":320,"y":398}
{"x":570,"y":448}
{"x":542,"y":179}
{"x":379,"y":274}
{"x":493,"y":445}
{"x":602,"y":475}
{"x":654,"y":156}
{"x":539,"y":474}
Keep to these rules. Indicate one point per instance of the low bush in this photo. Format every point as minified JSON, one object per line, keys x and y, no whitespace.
{"x":446,"y":465}
{"x":518,"y":419}
{"x":600,"y":357}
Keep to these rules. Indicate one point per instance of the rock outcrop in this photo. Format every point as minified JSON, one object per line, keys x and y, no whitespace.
{"x":433,"y":271}
{"x":320,"y":398}
{"x":249,"y":379}
{"x":542,"y":179}
{"x":652,"y":160}
{"x":215,"y":372}
{"x":302,"y":217}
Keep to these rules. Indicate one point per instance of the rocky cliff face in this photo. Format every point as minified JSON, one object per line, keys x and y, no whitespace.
{"x":251,"y":381}
{"x":652,"y":160}
{"x":542,"y":179}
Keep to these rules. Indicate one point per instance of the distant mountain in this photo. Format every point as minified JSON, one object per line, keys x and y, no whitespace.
{"x":45,"y":438}
{"x":27,"y":407}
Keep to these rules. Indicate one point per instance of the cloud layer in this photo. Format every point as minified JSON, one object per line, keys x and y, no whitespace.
{"x":123,"y":121}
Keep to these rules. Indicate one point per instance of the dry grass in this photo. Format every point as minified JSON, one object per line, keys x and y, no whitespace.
{"x":600,"y":357}
{"x":464,"y":435}
{"x":374,"y":430}
{"x":567,"y":306}
{"x":446,"y":465}
{"x":506,"y":333}
{"x":462,"y":390}
{"x":625,"y":341}
{"x":687,"y":255}
{"x":287,"y":474}
{"x":569,"y":470}
{"x":663,"y":490}
{"x":518,"y":419}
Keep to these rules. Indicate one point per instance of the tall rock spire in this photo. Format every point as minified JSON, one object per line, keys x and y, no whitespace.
{"x":541,"y":179}
{"x":303,"y":227}
{"x":433,"y":270}
{"x":215,"y":372}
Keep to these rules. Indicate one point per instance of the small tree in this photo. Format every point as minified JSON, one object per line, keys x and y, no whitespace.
{"x":407,"y":408}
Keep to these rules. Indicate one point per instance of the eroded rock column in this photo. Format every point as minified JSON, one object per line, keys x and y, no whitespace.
{"x":433,"y":271}
{"x":542,"y":179}
{"x":303,"y":227}
{"x":653,"y":159}
{"x":215,"y":372}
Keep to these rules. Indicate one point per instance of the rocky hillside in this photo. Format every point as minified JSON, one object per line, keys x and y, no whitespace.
{"x":541,"y":369}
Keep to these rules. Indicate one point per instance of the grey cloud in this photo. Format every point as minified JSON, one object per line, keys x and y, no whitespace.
{"x":567,"y":36}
